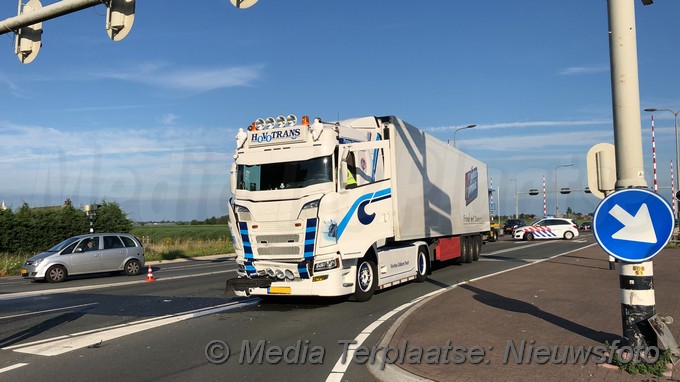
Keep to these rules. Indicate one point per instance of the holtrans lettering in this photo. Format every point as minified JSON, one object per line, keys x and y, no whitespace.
{"x":271,"y":135}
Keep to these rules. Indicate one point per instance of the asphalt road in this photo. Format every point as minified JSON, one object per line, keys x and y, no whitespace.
{"x":122,"y":328}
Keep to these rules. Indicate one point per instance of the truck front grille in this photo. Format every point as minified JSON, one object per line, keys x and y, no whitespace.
{"x":279,"y":242}
{"x":279,"y":251}
{"x":277,"y":239}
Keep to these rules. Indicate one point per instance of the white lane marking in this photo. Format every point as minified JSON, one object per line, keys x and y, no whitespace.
{"x":15,"y":366}
{"x":194,"y":266}
{"x":338,"y":371}
{"x":11,"y":296}
{"x":513,"y":249}
{"x":47,"y":311}
{"x":63,"y":344}
{"x":516,"y":260}
{"x":14,"y":280}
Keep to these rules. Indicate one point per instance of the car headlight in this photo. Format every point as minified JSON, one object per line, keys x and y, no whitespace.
{"x":326,"y":265}
{"x":33,"y":262}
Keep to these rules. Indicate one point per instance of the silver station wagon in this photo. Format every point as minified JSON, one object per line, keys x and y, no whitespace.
{"x":90,"y":253}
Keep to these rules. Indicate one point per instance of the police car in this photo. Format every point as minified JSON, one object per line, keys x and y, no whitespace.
{"x":548,"y":228}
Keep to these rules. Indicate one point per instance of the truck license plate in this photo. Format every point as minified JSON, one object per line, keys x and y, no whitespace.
{"x":279,"y":290}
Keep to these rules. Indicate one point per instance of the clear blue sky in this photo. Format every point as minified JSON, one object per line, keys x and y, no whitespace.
{"x":149,"y":122}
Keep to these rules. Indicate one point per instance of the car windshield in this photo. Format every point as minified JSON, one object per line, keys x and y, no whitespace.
{"x":284,"y":175}
{"x":62,"y":245}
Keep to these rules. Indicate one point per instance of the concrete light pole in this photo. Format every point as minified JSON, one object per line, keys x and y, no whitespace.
{"x":636,"y":279}
{"x":458,"y":129}
{"x":557,"y":209}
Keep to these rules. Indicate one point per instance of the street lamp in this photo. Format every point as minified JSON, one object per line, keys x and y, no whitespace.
{"x":460,"y":128}
{"x":516,"y":203}
{"x":557,"y":213}
{"x":675,"y":113}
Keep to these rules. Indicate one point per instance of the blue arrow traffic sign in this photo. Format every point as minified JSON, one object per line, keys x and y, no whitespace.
{"x":633,"y":224}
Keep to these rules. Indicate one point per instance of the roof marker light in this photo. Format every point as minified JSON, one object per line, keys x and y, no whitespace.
{"x":291,"y":120}
{"x":269,"y":123}
{"x":259,"y":124}
{"x":305,"y":120}
{"x":281,"y":121}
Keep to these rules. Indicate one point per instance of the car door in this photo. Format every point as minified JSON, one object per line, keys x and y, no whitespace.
{"x":557,"y":228}
{"x":543,"y":230}
{"x":86,"y":257}
{"x":114,"y":253}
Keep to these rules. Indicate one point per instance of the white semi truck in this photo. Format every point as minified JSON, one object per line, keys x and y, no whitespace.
{"x":347,"y":208}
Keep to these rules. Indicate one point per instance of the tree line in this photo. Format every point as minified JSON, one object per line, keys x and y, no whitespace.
{"x":28,"y":230}
{"x":211,"y":221}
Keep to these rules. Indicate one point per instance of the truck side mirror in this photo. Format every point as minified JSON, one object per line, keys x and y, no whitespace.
{"x":343,"y":173}
{"x":232,"y":179}
{"x":345,"y":154}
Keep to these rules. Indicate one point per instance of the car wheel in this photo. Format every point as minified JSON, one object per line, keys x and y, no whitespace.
{"x":528,"y":236}
{"x":132,"y":267}
{"x":55,"y":274}
{"x":568,"y":235}
{"x":366,"y":280}
{"x":423,"y":264}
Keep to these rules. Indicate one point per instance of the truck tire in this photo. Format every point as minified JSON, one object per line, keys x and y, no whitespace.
{"x":493,"y":235}
{"x":366,"y":279}
{"x":466,"y":249}
{"x":423,"y":261}
{"x":477,"y":247}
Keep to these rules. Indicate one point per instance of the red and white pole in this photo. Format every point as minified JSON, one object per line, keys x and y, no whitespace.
{"x":673,"y":190}
{"x":493,"y":206}
{"x":656,"y":184}
{"x":545,"y":210}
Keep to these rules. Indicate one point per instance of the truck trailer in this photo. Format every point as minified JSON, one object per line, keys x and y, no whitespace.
{"x":349,"y":207}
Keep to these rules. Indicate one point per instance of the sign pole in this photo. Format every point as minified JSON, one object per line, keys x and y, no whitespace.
{"x":638,"y":303}
{"x":637,"y":298}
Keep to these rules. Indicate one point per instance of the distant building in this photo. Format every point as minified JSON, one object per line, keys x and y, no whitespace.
{"x":67,"y":203}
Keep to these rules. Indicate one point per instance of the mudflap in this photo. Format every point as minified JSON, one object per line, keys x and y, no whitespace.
{"x":242,"y":286}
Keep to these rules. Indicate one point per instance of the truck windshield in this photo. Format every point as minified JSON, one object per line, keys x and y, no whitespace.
{"x":284,"y":175}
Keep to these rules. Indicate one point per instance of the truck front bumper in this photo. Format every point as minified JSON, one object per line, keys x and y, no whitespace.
{"x":336,"y":282}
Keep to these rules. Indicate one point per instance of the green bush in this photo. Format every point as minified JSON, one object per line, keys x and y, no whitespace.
{"x":30,"y":230}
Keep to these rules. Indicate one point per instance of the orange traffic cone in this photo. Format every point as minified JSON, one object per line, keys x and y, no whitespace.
{"x":149,"y":276}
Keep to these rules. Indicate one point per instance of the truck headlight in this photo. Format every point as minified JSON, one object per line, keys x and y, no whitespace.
{"x":326,"y":265}
{"x":309,"y":209}
{"x":242,"y":213}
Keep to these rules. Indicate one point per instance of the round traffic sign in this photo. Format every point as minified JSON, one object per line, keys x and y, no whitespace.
{"x":633,"y":224}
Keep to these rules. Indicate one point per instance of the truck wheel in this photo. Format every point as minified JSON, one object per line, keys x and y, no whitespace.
{"x":493,"y":236}
{"x":528,"y":236}
{"x":55,"y":274}
{"x":467,"y":246}
{"x":477,"y":247}
{"x":366,"y":280}
{"x":423,"y":264}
